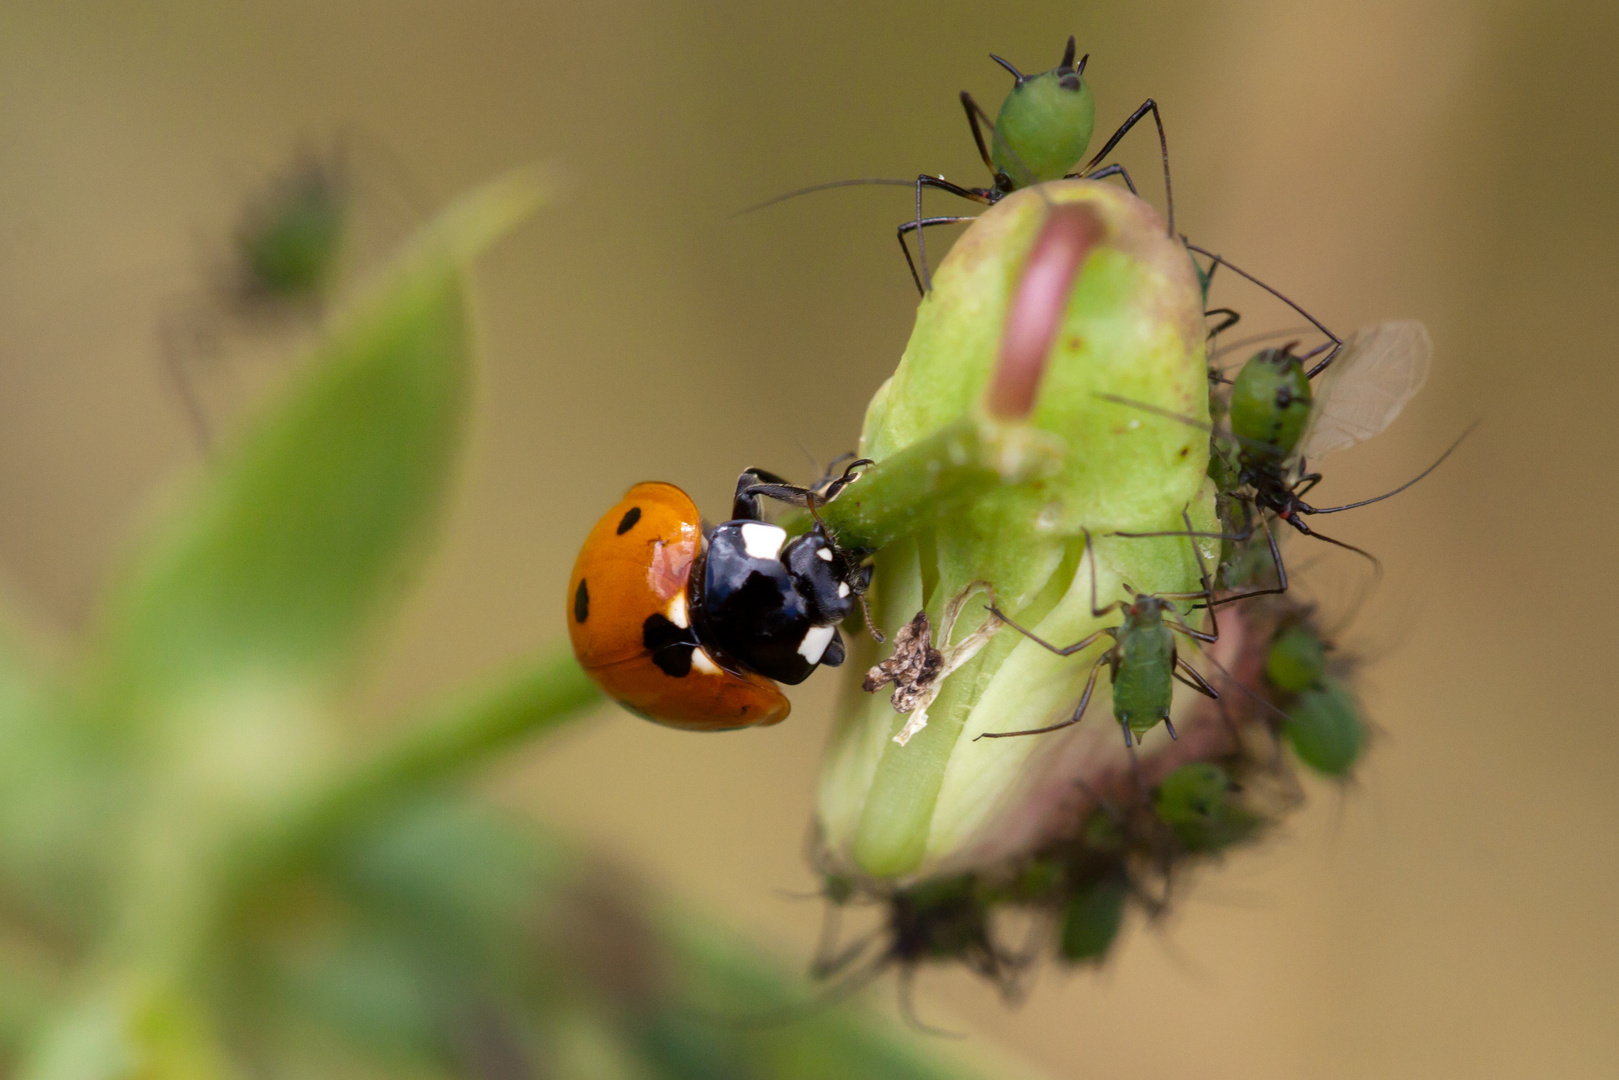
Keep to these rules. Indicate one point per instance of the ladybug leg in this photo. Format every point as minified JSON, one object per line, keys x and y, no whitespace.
{"x":834,"y":651}
{"x":829,"y":487}
{"x":750,"y":486}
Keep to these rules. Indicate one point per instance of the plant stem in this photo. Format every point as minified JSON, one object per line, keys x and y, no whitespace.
{"x":451,"y":742}
{"x":929,"y":478}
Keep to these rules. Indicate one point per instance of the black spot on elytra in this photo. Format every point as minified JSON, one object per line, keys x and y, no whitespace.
{"x":674,"y":660}
{"x":627,"y":522}
{"x":670,"y":645}
{"x":581,"y":602}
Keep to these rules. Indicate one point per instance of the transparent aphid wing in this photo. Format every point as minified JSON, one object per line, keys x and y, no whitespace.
{"x":1380,"y":369}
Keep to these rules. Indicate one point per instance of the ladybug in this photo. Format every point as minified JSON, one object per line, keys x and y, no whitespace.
{"x":692,"y":625}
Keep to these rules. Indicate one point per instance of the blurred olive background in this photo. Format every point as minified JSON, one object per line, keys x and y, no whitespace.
{"x":1451,"y":915}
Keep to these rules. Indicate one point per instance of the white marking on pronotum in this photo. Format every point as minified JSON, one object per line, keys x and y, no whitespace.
{"x":762,"y":541}
{"x":677,"y":611}
{"x":824,"y":553}
{"x":816,"y":639}
{"x":701,"y":661}
{"x":843,"y":588}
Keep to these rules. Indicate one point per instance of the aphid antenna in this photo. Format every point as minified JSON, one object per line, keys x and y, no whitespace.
{"x":865,"y":181}
{"x":1390,"y":494}
{"x":1229,"y":724}
{"x":1230,"y":679}
{"x":1168,"y":414}
{"x":1255,"y":339}
{"x":1337,"y":342}
{"x":1198,"y":972}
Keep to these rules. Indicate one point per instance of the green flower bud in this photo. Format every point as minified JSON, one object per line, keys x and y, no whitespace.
{"x":1121,"y":325}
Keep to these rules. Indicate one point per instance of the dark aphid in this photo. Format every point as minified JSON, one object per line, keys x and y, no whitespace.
{"x":1374,"y":373}
{"x":1143,"y":660}
{"x":943,"y":919}
{"x":1040,"y":134}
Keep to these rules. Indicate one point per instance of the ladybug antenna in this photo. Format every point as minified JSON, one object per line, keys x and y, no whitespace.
{"x":865,"y":609}
{"x":1016,"y":74}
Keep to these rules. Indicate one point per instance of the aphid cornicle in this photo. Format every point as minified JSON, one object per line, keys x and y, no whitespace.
{"x":693,"y":627}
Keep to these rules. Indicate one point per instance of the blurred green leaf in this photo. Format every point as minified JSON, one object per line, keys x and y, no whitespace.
{"x":301,"y":532}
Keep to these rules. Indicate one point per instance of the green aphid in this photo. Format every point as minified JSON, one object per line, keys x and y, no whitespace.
{"x":1091,"y":920}
{"x":1270,"y":404}
{"x":1325,"y":730}
{"x":1044,"y":126}
{"x":1297,"y":660}
{"x":1040,"y":134}
{"x":1143,"y":661}
{"x":289,"y":241}
{"x":1199,"y":804}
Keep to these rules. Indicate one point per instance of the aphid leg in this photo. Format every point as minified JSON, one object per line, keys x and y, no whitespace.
{"x":1206,"y":593}
{"x":1337,"y":342}
{"x":1117,"y":605}
{"x":972,"y":109}
{"x":1148,"y":106}
{"x":917,"y":227}
{"x":1298,"y":523}
{"x":1112,"y":170}
{"x":177,"y":360}
{"x":1078,"y":646}
{"x":1232,"y":318}
{"x":907,"y":1007}
{"x":1197,"y":682}
{"x":1276,"y":557}
{"x":1079,"y":710}
{"x":925,"y":181}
